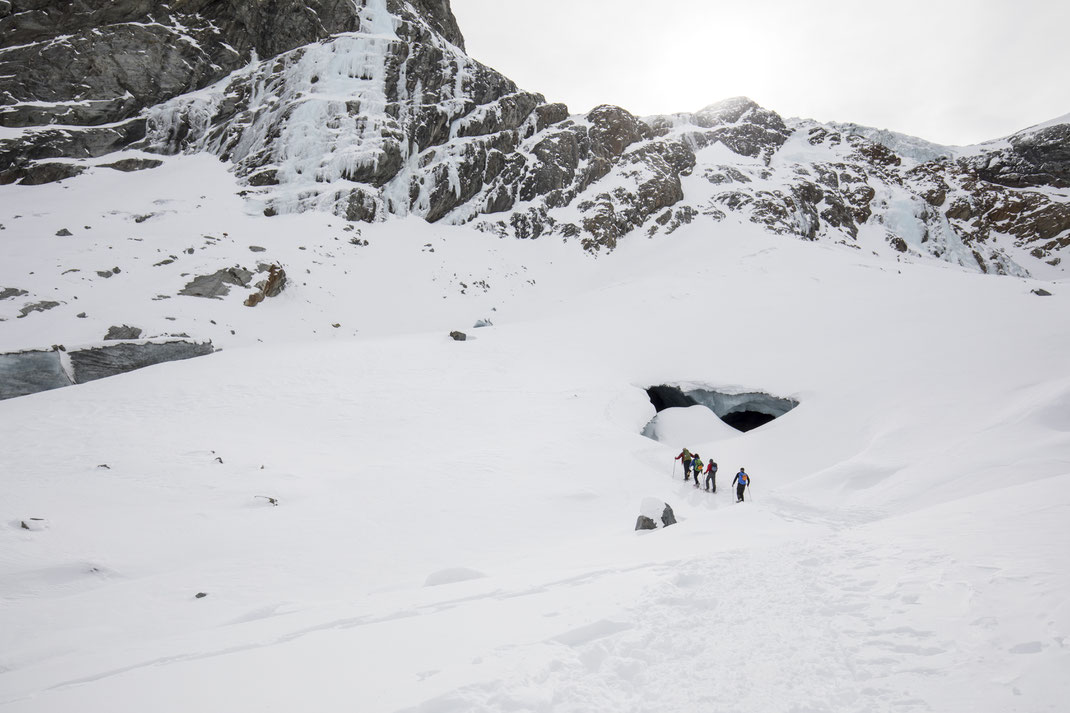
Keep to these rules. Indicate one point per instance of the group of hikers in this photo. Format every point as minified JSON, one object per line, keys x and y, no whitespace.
{"x":693,"y":466}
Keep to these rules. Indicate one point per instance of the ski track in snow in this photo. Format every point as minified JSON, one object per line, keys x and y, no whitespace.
{"x":838,"y":622}
{"x":829,"y":625}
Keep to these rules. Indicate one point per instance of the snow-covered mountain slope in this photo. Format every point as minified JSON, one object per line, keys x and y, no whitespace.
{"x":167,"y":227}
{"x":454,"y":520}
{"x":371,"y":110}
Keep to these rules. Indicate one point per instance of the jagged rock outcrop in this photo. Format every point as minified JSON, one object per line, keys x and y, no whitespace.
{"x":1037,"y":158}
{"x":271,"y":286}
{"x":371,"y":108}
{"x":83,"y":64}
{"x":819,"y":182}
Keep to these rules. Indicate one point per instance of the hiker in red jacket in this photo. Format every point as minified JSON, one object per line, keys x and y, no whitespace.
{"x":711,"y":475}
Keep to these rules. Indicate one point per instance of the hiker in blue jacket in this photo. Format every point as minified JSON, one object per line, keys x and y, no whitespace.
{"x":741,"y":481}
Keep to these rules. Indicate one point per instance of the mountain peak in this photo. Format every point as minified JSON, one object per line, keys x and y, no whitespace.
{"x":730,"y":107}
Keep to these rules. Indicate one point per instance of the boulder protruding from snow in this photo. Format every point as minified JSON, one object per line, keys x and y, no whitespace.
{"x":268,"y":287}
{"x":654,"y":514}
{"x":129,"y":165}
{"x":458,"y":336}
{"x":42,"y":306}
{"x":216,"y":285}
{"x":123,"y":332}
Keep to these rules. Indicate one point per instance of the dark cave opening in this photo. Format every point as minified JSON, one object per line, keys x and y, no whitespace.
{"x":742,"y":411}
{"x":747,"y":420}
{"x":664,"y":397}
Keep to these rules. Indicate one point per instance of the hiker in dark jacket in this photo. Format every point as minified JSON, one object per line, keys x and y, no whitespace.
{"x":711,"y":476}
{"x":741,"y":481}
{"x":685,"y":456}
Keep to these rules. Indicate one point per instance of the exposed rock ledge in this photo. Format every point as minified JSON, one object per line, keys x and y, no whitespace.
{"x":28,"y":372}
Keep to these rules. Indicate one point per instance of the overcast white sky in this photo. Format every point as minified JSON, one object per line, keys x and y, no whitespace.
{"x":950,"y":71}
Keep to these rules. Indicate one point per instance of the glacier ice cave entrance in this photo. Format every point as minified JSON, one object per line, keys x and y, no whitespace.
{"x":743,"y":411}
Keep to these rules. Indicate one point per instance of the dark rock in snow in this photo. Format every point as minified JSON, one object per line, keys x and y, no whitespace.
{"x":1041,"y":292}
{"x":128,"y":165}
{"x":42,"y":306}
{"x":63,"y":233}
{"x":123,"y":332}
{"x":458,"y":336}
{"x":1036,"y":158}
{"x":8,"y":292}
{"x":275,"y":282}
{"x":217,"y":285}
{"x":645,"y":523}
{"x":651,"y":508}
{"x":271,"y":286}
{"x":42,"y":173}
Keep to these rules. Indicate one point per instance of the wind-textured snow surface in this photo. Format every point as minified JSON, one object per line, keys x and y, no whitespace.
{"x":454,"y":527}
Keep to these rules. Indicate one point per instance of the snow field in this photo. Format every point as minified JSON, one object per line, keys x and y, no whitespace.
{"x":454,"y":529}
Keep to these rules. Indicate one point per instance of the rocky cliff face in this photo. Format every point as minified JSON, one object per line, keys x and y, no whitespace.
{"x":371,"y":108}
{"x":78,"y":75}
